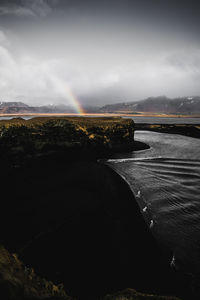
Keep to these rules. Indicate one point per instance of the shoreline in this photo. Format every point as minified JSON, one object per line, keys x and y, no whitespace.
{"x":89,"y":205}
{"x":97,"y":229}
{"x":114,"y":114}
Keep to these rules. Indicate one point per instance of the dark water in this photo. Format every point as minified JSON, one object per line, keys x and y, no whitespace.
{"x":137,"y":119}
{"x":166,"y":182}
{"x":164,"y":120}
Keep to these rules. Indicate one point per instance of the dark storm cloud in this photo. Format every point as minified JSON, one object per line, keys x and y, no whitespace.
{"x":27,"y":8}
{"x":105,"y":51}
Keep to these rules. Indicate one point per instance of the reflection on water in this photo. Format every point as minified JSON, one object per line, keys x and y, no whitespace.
{"x":166,"y":182}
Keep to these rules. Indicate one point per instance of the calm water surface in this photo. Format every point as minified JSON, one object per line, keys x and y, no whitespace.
{"x":160,"y":120}
{"x":147,"y":120}
{"x":166,"y":182}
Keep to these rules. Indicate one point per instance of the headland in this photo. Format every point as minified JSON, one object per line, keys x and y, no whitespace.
{"x":72,"y":220}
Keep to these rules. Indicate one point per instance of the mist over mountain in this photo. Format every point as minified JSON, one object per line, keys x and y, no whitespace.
{"x":161,"y":104}
{"x":22,"y":108}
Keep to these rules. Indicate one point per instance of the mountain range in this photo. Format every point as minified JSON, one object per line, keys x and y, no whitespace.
{"x":22,"y":108}
{"x":162,"y":104}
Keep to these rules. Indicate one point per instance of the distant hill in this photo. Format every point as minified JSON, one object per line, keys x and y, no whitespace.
{"x":12,"y":104}
{"x":162,"y":104}
{"x":21,"y":108}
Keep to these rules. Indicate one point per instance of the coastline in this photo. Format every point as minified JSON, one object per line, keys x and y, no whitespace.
{"x":88,"y":138}
{"x":89,"y":205}
{"x":113,"y":114}
{"x":107,"y":237}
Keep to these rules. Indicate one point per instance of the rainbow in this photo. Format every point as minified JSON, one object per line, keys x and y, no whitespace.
{"x":73,"y":100}
{"x":64,"y":89}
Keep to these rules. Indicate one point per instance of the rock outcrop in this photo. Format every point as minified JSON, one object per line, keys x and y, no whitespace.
{"x":73,"y":135}
{"x":73,"y":220}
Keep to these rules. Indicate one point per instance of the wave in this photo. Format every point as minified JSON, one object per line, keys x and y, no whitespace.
{"x":167,"y":190}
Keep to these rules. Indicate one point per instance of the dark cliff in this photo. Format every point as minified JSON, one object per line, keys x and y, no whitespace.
{"x":17,"y":282}
{"x":98,"y":136}
{"x":75,"y":221}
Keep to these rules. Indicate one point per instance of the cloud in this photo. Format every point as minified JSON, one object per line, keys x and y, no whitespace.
{"x":29,"y":8}
{"x":184,"y":61}
{"x":18,"y":11}
{"x":3,"y":39}
{"x":39,"y":8}
{"x":48,"y":79}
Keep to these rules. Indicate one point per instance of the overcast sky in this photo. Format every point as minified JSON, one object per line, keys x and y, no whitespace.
{"x":103,"y":51}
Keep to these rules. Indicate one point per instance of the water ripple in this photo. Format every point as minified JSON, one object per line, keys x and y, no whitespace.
{"x":166,"y":183}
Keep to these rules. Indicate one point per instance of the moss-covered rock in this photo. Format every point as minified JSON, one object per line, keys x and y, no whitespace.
{"x":99,"y":136}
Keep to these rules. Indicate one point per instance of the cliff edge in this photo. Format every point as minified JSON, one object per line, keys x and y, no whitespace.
{"x":73,"y":135}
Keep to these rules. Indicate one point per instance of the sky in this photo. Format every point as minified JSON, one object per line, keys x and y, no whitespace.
{"x":98,"y":52}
